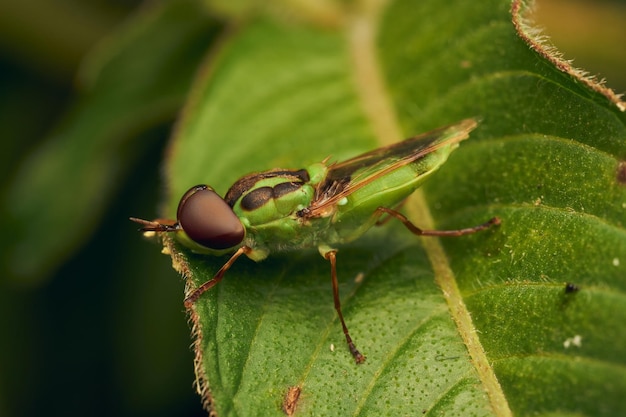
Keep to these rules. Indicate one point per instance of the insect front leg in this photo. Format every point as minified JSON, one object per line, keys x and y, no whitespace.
{"x":331,"y":256}
{"x":494,"y":221}
{"x":195,"y":294}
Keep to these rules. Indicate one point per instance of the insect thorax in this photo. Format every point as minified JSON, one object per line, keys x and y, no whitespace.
{"x":268,"y":205}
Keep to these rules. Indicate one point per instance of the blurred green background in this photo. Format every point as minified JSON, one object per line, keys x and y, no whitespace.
{"x":106,"y":334}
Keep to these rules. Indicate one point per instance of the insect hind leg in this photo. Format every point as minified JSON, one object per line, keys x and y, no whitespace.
{"x":494,"y":221}
{"x":382,"y":220}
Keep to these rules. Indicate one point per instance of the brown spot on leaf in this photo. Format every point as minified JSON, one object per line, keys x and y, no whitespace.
{"x":291,"y":400}
{"x":621,"y":173}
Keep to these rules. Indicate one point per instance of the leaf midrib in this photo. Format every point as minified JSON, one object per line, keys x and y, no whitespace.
{"x":371,"y":89}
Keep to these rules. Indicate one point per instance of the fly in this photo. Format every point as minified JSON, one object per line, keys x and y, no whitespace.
{"x":322,"y":206}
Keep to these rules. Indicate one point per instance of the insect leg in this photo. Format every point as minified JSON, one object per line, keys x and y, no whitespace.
{"x":383,"y":220}
{"x":417,"y":231}
{"x":195,"y":294}
{"x":331,"y":256}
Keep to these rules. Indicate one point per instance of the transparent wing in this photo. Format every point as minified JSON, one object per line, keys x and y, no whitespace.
{"x":346,"y":177}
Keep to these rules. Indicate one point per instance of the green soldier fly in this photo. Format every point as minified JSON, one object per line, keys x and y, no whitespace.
{"x":322,"y":206}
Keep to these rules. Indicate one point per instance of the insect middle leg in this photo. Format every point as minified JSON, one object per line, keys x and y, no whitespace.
{"x":331,"y":256}
{"x":420,"y":232}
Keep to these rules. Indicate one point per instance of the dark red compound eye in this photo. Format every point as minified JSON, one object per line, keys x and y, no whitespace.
{"x":208,"y":220}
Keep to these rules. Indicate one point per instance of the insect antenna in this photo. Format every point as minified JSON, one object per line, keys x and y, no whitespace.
{"x":156,"y":226}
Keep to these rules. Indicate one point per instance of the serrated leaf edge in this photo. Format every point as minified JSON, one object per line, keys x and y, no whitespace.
{"x":540,"y":43}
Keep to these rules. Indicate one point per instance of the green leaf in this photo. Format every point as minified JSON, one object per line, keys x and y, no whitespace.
{"x":136,"y":80}
{"x":475,"y":325}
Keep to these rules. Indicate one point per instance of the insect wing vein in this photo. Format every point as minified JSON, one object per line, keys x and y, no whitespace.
{"x":346,"y":177}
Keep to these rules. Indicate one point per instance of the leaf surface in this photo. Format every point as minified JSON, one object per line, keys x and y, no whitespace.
{"x":478,"y":325}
